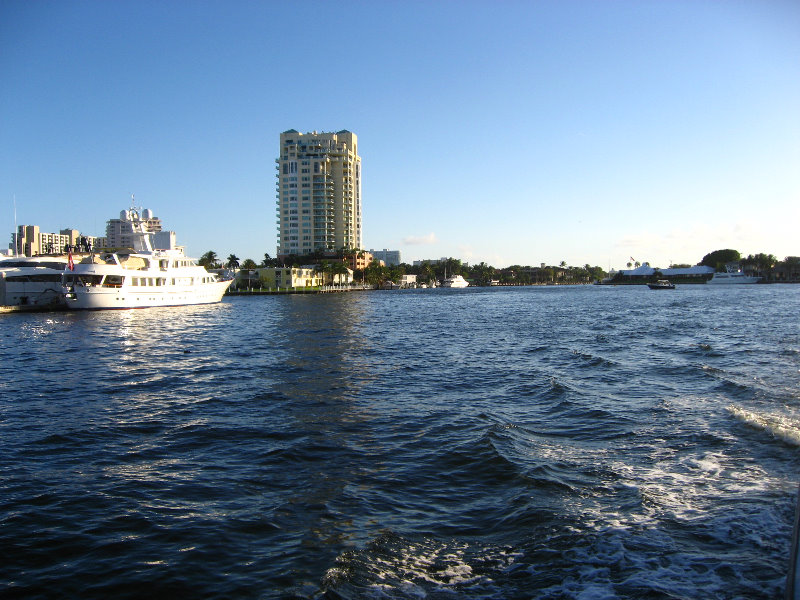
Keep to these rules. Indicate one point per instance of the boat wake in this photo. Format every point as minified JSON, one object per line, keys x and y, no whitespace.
{"x":394,"y":567}
{"x":782,"y":427}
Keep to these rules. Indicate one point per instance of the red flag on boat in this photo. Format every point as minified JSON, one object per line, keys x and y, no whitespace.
{"x":70,"y":263}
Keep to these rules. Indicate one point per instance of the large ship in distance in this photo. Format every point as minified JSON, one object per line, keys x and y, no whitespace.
{"x":140,"y":277}
{"x":732,"y":277}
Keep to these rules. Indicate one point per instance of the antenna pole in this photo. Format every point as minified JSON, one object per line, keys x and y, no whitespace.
{"x":16,"y":231}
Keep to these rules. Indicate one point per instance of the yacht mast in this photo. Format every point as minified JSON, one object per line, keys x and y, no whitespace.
{"x":16,"y":231}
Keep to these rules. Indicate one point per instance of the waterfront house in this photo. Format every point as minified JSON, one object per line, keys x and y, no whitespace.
{"x":408,"y":281}
{"x":289,"y":277}
{"x":645,"y":273}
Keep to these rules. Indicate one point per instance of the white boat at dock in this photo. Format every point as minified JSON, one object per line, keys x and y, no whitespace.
{"x":32,"y":283}
{"x":140,"y":277}
{"x":455,"y":281}
{"x":732,"y":278}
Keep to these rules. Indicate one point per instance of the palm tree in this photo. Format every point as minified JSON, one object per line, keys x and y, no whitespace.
{"x":426,"y":273}
{"x":764,"y":263}
{"x":233,"y":262}
{"x":208,"y":260}
{"x":395,"y":273}
{"x":267,"y":262}
{"x":337,"y":270}
{"x":375,"y":274}
{"x":482,"y":274}
{"x":249,"y":264}
{"x":452,"y":266}
{"x":324,"y":267}
{"x":348,"y":252}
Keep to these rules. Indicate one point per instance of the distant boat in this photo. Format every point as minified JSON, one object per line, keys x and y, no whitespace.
{"x":140,"y":277}
{"x":732,"y":278}
{"x":455,"y":281}
{"x":661,"y":284}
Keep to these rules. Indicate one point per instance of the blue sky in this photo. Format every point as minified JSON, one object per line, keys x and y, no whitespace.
{"x":508,"y":132}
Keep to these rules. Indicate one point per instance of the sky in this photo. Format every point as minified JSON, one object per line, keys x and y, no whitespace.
{"x":509,"y":132}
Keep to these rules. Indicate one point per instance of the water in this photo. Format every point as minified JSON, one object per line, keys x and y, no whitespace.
{"x":589,"y":442}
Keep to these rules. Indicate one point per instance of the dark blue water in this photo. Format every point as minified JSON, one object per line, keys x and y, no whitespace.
{"x":590,"y":442}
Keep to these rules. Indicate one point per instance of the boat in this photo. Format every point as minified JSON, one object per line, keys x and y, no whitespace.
{"x":29,"y":283}
{"x":140,"y":277}
{"x":732,"y":278}
{"x":661,"y":284}
{"x":455,"y":281}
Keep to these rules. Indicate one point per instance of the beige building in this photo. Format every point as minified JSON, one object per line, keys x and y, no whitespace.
{"x":289,"y":277}
{"x":319,"y":192}
{"x":360,"y":261}
{"x":31,"y":241}
{"x":119,"y":232}
{"x":297,"y":277}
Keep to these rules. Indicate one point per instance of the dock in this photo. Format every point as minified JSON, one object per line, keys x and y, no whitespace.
{"x":327,"y":289}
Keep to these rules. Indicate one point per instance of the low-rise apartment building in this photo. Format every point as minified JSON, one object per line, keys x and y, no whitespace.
{"x":294,"y":277}
{"x":289,"y":277}
{"x":360,"y":261}
{"x":31,"y":241}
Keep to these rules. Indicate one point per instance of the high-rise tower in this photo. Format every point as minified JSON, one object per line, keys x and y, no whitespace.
{"x":319,"y":192}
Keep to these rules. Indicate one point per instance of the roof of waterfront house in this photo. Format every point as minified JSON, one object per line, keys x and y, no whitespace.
{"x":646,"y":270}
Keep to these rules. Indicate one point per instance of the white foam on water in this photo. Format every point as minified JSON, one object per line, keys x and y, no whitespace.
{"x":684,"y":491}
{"x":402,"y":569}
{"x":668,"y":512}
{"x":781,"y":426}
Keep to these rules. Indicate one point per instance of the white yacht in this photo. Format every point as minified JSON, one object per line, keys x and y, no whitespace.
{"x":140,"y":277}
{"x":32,"y":283}
{"x":732,"y":277}
{"x":455,"y":281}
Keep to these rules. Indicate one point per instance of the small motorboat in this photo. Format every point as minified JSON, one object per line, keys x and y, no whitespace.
{"x":661,"y":284}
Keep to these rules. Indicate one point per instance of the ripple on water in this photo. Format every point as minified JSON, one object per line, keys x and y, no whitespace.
{"x":506,"y":443}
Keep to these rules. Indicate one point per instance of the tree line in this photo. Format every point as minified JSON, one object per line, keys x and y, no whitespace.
{"x":428,"y":272}
{"x":761,"y":263}
{"x":481,"y":274}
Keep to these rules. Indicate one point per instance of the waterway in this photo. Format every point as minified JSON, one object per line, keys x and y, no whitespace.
{"x":539,"y":442}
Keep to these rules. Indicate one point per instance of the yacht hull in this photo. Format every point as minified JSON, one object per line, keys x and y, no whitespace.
{"x":732,"y":279}
{"x":98,"y":298}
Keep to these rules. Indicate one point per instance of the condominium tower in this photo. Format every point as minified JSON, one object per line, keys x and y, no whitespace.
{"x":319,"y":192}
{"x":119,"y":232}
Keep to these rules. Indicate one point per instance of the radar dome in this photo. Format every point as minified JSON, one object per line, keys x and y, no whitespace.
{"x":147,"y":213}
{"x":124,"y":215}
